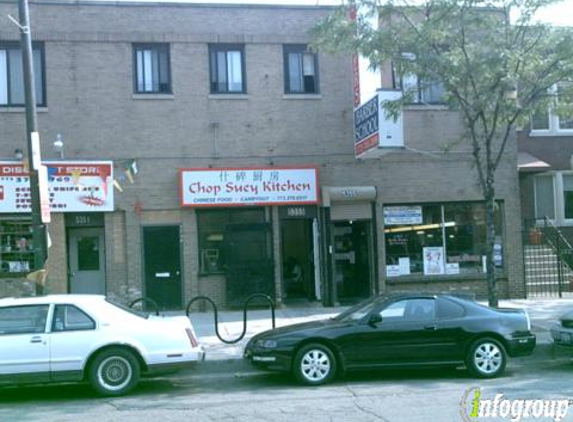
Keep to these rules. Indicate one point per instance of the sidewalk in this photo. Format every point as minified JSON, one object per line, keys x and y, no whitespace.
{"x":543,"y":313}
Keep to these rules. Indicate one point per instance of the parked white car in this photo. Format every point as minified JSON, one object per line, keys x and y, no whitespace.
{"x":89,"y":338}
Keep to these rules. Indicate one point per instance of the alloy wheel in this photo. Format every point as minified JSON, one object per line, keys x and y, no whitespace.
{"x":114,"y":373}
{"x":315,"y":365}
{"x":488,"y":358}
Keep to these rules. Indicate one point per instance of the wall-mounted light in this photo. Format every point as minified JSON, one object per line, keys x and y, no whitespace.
{"x":59,"y":145}
{"x":18,"y":154}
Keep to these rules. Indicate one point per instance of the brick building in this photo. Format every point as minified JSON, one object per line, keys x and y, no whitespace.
{"x":233,"y":147}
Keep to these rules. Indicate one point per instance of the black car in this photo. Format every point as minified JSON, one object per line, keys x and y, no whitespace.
{"x":397,"y":331}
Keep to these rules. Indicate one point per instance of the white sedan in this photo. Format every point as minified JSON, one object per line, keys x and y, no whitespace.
{"x":61,"y":338}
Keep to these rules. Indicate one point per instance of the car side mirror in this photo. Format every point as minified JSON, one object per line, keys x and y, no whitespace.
{"x":374,"y":320}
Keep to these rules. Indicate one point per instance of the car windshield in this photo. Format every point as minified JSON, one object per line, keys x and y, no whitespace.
{"x":132,"y":311}
{"x":358,"y":312}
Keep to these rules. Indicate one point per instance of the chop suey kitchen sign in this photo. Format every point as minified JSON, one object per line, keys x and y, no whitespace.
{"x":248,"y":186}
{"x":72,"y":186}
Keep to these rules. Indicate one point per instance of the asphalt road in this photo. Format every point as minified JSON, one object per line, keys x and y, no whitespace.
{"x":388,"y":395}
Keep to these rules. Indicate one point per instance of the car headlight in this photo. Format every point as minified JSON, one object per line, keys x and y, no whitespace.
{"x":267,"y":344}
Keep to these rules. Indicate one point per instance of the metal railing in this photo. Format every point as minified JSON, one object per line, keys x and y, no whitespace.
{"x":548,"y":259}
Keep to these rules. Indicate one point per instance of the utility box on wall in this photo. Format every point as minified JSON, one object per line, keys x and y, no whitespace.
{"x":375,"y":131}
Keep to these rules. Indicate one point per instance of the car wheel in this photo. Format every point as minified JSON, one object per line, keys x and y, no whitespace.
{"x":486,"y":358}
{"x":314,"y":364}
{"x":114,"y":372}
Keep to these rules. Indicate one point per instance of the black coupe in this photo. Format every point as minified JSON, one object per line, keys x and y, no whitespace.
{"x":397,"y":331}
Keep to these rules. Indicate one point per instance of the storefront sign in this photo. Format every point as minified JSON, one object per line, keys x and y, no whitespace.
{"x":402,"y":215}
{"x":374,"y":127}
{"x":366,"y":126}
{"x":72,"y":187}
{"x":248,"y":186}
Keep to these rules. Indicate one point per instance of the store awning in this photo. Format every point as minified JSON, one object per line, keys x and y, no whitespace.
{"x":527,"y":162}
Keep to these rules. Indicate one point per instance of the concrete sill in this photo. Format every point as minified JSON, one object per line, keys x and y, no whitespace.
{"x":153,"y":96}
{"x":302,"y":97}
{"x":228,"y":96}
{"x":21,"y":109}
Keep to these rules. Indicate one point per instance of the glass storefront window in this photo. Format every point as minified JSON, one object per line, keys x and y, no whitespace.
{"x":16,"y":248}
{"x":446,"y":239}
{"x":212,"y":224}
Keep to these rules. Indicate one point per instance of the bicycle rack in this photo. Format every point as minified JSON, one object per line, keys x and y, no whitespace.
{"x":147,"y":301}
{"x":215,"y":313}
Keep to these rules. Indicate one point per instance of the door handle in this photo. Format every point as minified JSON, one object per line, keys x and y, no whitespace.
{"x":430,"y":327}
{"x":36,"y":339}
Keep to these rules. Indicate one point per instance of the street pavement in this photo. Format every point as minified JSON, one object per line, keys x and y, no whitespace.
{"x":220,"y":356}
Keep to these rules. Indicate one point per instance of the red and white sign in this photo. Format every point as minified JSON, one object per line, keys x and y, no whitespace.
{"x":248,"y":186}
{"x":72,"y":186}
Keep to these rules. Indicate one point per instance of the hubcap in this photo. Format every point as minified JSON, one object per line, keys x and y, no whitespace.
{"x":315,"y":365}
{"x":488,"y":358}
{"x":114,"y":373}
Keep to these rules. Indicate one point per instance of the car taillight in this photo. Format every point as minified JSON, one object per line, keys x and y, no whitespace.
{"x":192,"y":338}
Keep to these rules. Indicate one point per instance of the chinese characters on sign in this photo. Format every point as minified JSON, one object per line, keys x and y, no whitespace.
{"x":72,"y":187}
{"x":258,"y":186}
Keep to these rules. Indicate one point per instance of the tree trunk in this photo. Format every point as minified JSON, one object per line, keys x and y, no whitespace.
{"x":492,"y":295}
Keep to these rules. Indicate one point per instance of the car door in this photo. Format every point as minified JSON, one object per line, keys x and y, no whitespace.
{"x":73,"y":337}
{"x":450,"y":330}
{"x":405,"y":334}
{"x":24,"y":343}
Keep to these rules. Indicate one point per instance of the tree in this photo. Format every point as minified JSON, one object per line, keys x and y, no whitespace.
{"x":497,"y":66}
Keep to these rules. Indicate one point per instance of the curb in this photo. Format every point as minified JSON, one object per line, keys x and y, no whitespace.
{"x":545,"y":351}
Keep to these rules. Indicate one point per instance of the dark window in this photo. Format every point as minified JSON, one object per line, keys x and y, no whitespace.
{"x":212,"y":225}
{"x":301,"y":70}
{"x":152,"y":69}
{"x":227,"y":68}
{"x":70,"y":318}
{"x":409,"y":310}
{"x":16,"y":246}
{"x":88,"y":253}
{"x":448,"y":309}
{"x":23,"y":319}
{"x":12,"y":75}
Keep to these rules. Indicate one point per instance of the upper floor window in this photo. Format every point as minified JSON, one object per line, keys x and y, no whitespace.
{"x":152,"y":70}
{"x":421,"y":90}
{"x":558,"y":118}
{"x":12,"y":75}
{"x":301,"y":70}
{"x":227,"y":68}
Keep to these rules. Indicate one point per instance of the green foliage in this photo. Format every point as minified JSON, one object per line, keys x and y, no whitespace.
{"x":497,"y":65}
{"x":481,"y":57}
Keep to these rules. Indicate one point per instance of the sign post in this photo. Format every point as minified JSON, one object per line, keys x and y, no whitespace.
{"x":38,"y":227}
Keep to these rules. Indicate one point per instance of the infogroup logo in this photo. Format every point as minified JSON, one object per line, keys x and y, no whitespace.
{"x":474,"y":407}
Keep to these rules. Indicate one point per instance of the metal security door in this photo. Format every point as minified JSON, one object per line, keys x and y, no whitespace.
{"x":162,"y":266}
{"x":249,"y":262}
{"x":87,"y":260}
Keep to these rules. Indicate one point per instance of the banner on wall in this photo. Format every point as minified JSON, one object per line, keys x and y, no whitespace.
{"x":72,"y":186}
{"x":248,"y":186}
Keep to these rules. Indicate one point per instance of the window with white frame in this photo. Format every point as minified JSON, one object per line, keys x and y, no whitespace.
{"x":558,"y":117}
{"x":227,"y":68}
{"x":554,"y":197}
{"x":544,"y":197}
{"x":12,"y":75}
{"x":427,"y":90}
{"x":152,"y":70}
{"x":301,"y":70}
